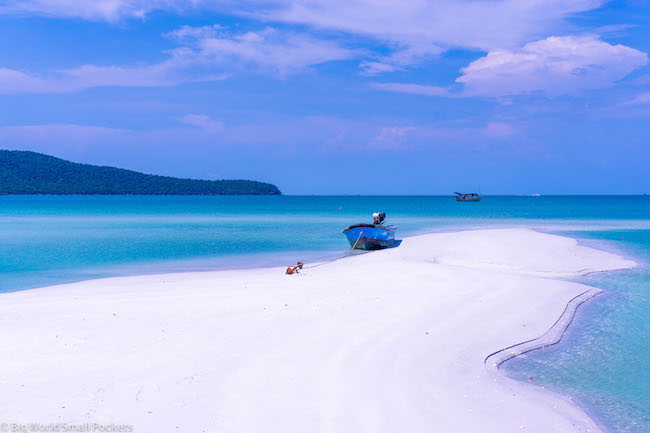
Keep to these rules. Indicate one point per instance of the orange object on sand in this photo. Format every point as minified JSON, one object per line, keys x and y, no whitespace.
{"x":294,"y":269}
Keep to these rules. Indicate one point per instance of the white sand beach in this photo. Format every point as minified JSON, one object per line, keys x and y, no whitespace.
{"x":389,"y":341}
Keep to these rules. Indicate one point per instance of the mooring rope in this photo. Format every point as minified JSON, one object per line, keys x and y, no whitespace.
{"x":337,"y":258}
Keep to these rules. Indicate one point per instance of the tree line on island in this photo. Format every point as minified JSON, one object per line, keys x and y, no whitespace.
{"x":24,"y":172}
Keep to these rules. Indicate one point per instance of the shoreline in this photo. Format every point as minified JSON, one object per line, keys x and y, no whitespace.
{"x":448,"y":263}
{"x":550,"y":338}
{"x":602,"y":420}
{"x":231,"y":262}
{"x":553,"y":336}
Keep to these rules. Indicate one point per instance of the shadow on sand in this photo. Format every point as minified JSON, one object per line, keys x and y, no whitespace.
{"x":395,"y":244}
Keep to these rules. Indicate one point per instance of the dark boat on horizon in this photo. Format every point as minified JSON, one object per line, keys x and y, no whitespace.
{"x":371,"y":236}
{"x":469,"y":197}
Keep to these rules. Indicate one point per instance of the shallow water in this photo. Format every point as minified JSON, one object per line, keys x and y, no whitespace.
{"x":47,"y":240}
{"x":604,"y":359}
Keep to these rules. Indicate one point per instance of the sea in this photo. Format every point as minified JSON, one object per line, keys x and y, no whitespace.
{"x":602,"y":362}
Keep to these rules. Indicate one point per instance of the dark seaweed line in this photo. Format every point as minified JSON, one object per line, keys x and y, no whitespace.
{"x":592,"y":292}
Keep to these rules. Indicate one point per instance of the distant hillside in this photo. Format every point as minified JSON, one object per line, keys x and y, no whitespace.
{"x":35,"y":173}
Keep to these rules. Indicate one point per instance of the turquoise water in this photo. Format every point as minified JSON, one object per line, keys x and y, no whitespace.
{"x":604,"y":359}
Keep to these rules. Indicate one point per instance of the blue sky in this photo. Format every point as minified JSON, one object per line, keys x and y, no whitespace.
{"x":337,"y":96}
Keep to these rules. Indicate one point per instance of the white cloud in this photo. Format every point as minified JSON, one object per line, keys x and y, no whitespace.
{"x":188,"y":32}
{"x":269,"y":50}
{"x":104,"y":10}
{"x":640,"y":99}
{"x":450,"y":23}
{"x":12,"y":81}
{"x":498,"y":130}
{"x":391,"y":137}
{"x":415,"y":89}
{"x":413,"y":29}
{"x":284,"y":135}
{"x":409,"y":26}
{"x":208,"y":54}
{"x":411,"y":32}
{"x":553,"y":66}
{"x":419,"y":136}
{"x":203,"y":122}
{"x":473,"y":23}
{"x":400,"y":59}
{"x":168,"y":73}
{"x":139,"y":76}
{"x":368,"y":67}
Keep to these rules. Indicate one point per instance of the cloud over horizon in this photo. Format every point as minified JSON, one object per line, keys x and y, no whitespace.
{"x":521,"y":56}
{"x":269,"y":50}
{"x":206,"y":53}
{"x":553,"y":66}
{"x":446,"y":23}
{"x":281,"y":87}
{"x":202,"y":121}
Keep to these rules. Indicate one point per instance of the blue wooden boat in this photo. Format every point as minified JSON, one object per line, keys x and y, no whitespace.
{"x":371,"y":236}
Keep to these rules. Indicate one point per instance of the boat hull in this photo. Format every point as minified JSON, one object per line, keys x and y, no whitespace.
{"x":473,"y":199}
{"x":370,"y":237}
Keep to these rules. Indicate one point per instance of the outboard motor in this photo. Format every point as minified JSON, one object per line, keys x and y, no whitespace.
{"x":378,"y":217}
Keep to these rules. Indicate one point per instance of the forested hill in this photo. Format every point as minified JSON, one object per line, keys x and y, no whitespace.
{"x":34,"y":173}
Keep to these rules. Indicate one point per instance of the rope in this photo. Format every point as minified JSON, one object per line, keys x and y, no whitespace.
{"x":338,"y":258}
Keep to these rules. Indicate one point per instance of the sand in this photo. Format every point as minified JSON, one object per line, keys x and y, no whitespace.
{"x":397,"y":340}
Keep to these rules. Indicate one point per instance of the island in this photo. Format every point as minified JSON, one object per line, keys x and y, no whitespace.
{"x":25,"y":172}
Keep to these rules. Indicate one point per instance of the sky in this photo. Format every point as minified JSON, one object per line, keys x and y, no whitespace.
{"x":338,"y":96}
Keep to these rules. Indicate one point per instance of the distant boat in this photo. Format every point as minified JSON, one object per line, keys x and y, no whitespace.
{"x":462,"y":196}
{"x":371,"y":236}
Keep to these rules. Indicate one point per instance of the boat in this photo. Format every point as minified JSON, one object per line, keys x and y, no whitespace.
{"x":472,"y":196}
{"x":371,"y":236}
